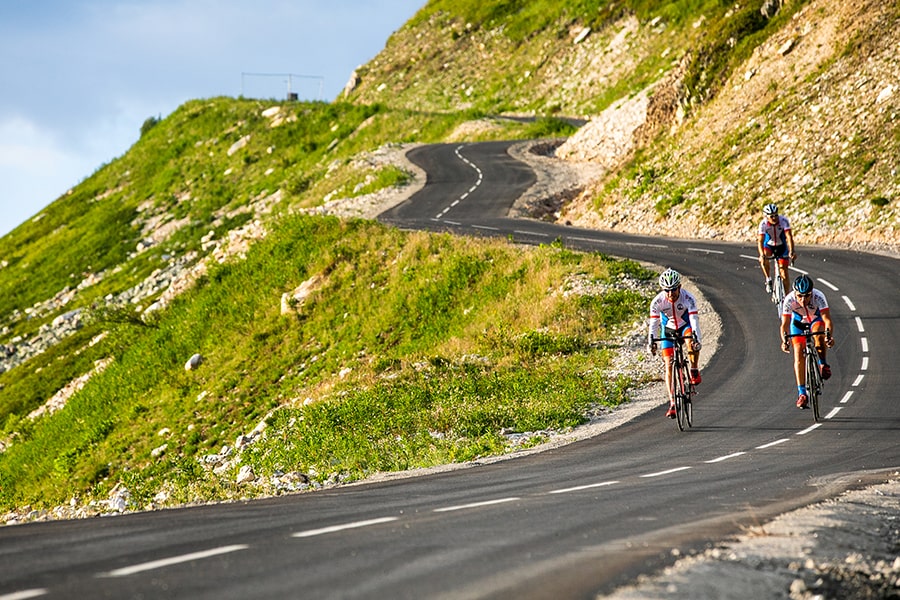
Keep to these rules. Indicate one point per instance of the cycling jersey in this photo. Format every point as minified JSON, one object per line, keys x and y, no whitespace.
{"x":804,"y":317}
{"x":774,"y":237}
{"x":677,"y":316}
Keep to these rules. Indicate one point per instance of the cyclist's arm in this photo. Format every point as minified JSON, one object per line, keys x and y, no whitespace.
{"x":826,"y":319}
{"x":785,"y":330}
{"x":789,"y":239}
{"x":694,"y":320}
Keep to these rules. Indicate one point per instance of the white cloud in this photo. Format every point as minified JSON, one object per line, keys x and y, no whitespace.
{"x":35,"y":170}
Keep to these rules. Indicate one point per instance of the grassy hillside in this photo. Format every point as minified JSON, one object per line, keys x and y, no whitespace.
{"x":413,"y":349}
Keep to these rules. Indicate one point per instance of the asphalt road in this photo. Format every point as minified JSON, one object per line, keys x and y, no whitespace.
{"x":572,"y":522}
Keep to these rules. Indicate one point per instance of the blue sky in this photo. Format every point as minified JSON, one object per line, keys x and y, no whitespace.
{"x":79,"y":77}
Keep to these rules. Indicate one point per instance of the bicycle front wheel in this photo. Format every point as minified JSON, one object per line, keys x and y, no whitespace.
{"x":813,"y":381}
{"x":682,"y":401}
{"x":778,"y":295}
{"x":687,"y":394}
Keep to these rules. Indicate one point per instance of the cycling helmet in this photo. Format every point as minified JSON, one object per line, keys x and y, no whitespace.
{"x":670,"y":279}
{"x":770,"y":209}
{"x":803,"y":284}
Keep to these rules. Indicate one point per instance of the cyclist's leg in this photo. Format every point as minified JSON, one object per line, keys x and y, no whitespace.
{"x":821,"y":348}
{"x":668,"y":357}
{"x":799,"y":345}
{"x":784,"y":260}
{"x":765,"y":258}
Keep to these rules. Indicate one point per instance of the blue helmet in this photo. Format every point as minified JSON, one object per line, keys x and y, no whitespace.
{"x":803,"y":284}
{"x":770,"y":209}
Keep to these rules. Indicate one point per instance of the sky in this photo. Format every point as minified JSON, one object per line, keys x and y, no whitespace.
{"x":78,"y":78}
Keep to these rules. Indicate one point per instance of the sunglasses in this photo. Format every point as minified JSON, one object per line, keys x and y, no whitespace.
{"x":806,"y":295}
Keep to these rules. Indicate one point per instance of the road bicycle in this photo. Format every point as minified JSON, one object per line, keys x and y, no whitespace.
{"x":682,"y":389}
{"x":814,"y":381}
{"x":777,"y":284}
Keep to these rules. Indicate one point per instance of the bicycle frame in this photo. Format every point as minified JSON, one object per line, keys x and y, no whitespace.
{"x":814,"y":381}
{"x":778,"y":291}
{"x":680,"y":381}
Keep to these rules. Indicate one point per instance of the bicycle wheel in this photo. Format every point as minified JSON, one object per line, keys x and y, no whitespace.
{"x":688,"y":396}
{"x":778,"y":294}
{"x":813,"y":381}
{"x":680,"y":384}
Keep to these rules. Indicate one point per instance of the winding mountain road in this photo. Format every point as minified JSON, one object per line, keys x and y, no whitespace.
{"x":571,"y":522}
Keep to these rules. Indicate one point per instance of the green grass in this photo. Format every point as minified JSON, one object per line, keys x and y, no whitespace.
{"x":397,"y":312}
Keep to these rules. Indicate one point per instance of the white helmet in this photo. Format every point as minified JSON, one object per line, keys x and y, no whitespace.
{"x":670,"y":279}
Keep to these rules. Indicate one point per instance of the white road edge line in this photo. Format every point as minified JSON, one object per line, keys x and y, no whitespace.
{"x":475,"y":504}
{"x":173,"y":560}
{"x":486,"y":227}
{"x":522,"y":232}
{"x":645,"y":245}
{"x":666,"y":472}
{"x":770,"y":444}
{"x":336,"y":528}
{"x":583,"y":487}
{"x":726,"y":457}
{"x":25,"y":594}
{"x":833,"y":287}
{"x":809,"y":429}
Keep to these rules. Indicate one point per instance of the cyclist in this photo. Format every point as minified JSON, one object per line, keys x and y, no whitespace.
{"x":775,"y":240}
{"x":675,"y":310}
{"x":806,"y":309}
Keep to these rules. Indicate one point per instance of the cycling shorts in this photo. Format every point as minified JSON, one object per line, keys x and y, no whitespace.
{"x":802,"y":327}
{"x":779,"y":252}
{"x":667,"y":347}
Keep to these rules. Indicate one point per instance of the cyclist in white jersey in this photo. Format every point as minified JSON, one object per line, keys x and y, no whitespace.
{"x":806,"y":309}
{"x":674,"y":310}
{"x":776,"y":241}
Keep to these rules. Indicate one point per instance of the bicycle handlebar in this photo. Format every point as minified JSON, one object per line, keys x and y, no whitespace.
{"x":808,"y":334}
{"x":674,"y":338}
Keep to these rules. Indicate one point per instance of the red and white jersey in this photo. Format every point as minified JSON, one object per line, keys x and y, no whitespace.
{"x":674,"y":315}
{"x":804,"y":314}
{"x":773,"y":233}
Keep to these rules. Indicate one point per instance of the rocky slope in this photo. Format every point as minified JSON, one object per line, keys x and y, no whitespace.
{"x":809,"y":122}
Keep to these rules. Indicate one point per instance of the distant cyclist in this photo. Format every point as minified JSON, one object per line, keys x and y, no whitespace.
{"x":775,"y":240}
{"x":806,"y":309}
{"x":675,"y":310}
